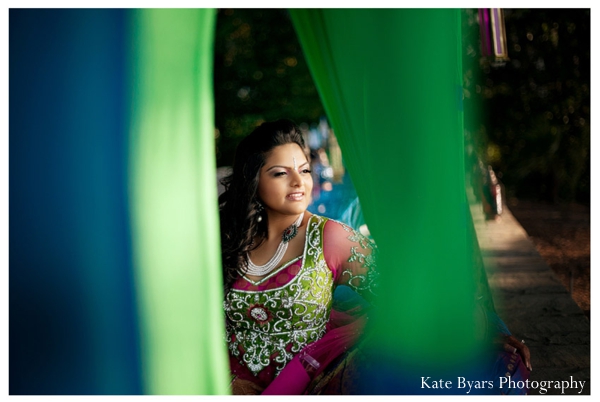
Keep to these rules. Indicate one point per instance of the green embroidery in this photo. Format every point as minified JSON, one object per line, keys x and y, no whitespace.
{"x":272,"y":326}
{"x":363,"y":283}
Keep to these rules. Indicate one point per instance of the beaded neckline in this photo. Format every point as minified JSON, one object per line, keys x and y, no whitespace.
{"x":288,"y":234}
{"x":287,"y":264}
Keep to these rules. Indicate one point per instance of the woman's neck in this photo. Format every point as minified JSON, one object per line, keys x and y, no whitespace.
{"x":279,"y":222}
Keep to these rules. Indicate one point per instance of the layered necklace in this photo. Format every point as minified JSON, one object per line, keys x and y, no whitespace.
{"x":288,"y":234}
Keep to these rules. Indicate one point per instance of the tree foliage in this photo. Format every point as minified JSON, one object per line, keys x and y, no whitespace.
{"x":260,"y":75}
{"x":536,"y":125}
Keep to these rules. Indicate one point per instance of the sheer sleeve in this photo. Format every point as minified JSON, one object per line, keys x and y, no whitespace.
{"x":351,"y":257}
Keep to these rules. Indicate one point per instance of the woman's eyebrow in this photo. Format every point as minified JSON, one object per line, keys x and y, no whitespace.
{"x":277,"y":166}
{"x":285,"y":167}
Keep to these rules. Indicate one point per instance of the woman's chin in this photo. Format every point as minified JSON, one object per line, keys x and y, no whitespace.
{"x":297,"y":209}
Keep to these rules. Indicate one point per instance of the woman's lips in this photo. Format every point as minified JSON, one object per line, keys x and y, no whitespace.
{"x":295,"y":196}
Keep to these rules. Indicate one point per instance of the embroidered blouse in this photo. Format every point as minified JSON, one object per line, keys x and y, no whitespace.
{"x":269,"y":321}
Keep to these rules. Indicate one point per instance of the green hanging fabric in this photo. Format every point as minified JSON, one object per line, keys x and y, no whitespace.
{"x":174,"y":203}
{"x":390,"y":81}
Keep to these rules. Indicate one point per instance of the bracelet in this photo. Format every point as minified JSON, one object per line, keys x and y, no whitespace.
{"x":308,"y":359}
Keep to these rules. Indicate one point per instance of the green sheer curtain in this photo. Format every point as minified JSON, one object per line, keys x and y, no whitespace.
{"x":390,"y":81}
{"x":174,"y":203}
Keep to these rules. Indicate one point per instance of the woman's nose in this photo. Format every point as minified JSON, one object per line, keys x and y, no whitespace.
{"x":295,"y":179}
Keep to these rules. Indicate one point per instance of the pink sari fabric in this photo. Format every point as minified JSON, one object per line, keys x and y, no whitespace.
{"x":281,"y":278}
{"x":343,"y":332}
{"x":292,"y":380}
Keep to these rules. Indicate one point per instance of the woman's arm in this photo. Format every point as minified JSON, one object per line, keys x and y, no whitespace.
{"x":351,"y":257}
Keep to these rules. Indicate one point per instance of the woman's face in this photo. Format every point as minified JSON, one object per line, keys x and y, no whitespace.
{"x":285,"y":183}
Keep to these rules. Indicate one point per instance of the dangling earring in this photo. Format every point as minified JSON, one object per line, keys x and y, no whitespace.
{"x":259,"y":209}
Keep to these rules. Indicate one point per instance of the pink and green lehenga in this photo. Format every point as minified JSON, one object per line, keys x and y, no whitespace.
{"x":284,"y":323}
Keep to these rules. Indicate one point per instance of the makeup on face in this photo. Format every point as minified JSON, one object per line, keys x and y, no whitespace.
{"x":303,"y":168}
{"x":286,"y":182}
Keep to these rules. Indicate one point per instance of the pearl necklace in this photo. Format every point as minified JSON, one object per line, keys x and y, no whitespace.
{"x":288,"y":234}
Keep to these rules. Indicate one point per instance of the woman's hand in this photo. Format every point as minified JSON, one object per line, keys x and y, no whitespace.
{"x":513,"y":345}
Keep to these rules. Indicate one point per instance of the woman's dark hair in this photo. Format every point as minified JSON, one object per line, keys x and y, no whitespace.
{"x":239,"y":204}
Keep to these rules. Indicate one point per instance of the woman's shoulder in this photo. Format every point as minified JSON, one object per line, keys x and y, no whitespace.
{"x":332,"y":227}
{"x":342,"y":244}
{"x":327,"y":221}
{"x":335,"y":231}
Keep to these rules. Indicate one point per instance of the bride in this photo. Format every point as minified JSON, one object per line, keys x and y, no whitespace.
{"x":281,"y":265}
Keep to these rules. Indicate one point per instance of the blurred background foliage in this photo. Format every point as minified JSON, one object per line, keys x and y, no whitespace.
{"x":260,"y":75}
{"x":534,"y":126}
{"x":532,"y":121}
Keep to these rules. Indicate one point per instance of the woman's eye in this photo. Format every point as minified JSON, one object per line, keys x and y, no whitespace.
{"x":307,"y":171}
{"x":279,"y":174}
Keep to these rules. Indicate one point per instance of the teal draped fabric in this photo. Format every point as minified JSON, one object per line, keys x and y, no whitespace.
{"x":73,"y":325}
{"x":115,"y":272}
{"x":390,"y":81}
